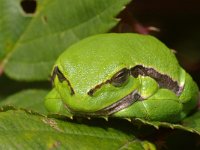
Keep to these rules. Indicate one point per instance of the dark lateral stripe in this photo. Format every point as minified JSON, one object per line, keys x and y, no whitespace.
{"x":121,"y":104}
{"x":109,"y":110}
{"x":93,"y":90}
{"x":163,"y":80}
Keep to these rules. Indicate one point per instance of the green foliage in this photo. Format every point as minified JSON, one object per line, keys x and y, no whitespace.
{"x":29,"y":46}
{"x":29,"y":99}
{"x":22,"y":130}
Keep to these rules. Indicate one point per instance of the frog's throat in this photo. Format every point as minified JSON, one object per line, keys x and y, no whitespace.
{"x":111,"y":109}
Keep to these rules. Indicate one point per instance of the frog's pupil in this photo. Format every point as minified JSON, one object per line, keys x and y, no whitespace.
{"x":120,"y":77}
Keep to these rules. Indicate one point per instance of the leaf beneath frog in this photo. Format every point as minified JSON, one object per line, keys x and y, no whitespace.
{"x":193,"y":122}
{"x":28,"y":99}
{"x":22,"y":130}
{"x":189,"y":124}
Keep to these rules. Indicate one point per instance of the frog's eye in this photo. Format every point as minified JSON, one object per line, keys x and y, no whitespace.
{"x":120,"y":77}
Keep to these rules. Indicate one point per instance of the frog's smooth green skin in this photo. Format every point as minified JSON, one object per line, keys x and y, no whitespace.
{"x":121,"y":75}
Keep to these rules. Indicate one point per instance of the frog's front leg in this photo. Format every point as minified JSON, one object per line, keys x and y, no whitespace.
{"x":155,"y":103}
{"x":54,"y":103}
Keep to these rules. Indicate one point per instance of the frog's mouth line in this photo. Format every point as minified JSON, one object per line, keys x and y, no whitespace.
{"x":121,"y":104}
{"x":111,"y":109}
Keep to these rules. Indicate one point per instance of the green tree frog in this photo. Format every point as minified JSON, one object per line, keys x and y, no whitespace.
{"x":121,"y":75}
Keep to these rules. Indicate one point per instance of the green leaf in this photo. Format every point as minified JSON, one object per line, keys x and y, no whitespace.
{"x":54,"y":26}
{"x":33,"y":100}
{"x":13,"y":22}
{"x":27,"y":99}
{"x":193,"y":122}
{"x":189,"y":124}
{"x":22,"y":130}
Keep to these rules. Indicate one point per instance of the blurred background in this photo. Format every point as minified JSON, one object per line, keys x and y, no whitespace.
{"x":174,"y":22}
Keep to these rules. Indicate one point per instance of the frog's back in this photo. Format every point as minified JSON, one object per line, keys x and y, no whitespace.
{"x":98,"y":57}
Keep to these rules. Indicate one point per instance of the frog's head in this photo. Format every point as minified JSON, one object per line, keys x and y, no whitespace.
{"x":95,"y":78}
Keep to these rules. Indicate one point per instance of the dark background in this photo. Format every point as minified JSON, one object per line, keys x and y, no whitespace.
{"x":177,"y":23}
